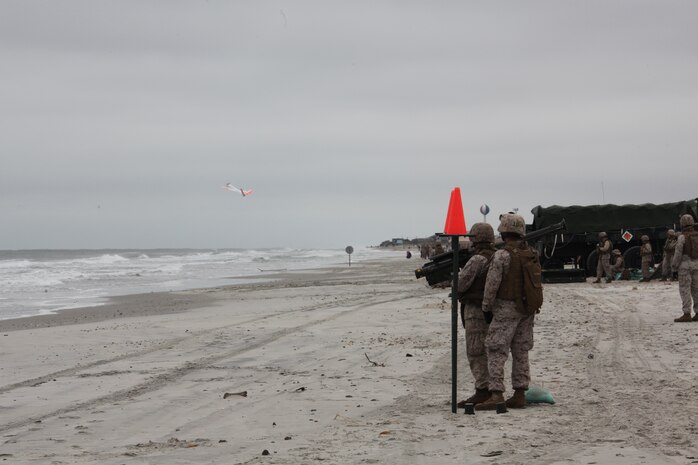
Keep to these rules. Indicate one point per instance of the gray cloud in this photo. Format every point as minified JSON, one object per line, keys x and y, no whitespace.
{"x":352,"y":120}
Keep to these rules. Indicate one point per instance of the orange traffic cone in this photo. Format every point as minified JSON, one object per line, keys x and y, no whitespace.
{"x":455,"y":220}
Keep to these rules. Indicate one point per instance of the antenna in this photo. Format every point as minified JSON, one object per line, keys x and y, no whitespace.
{"x":603,"y":193}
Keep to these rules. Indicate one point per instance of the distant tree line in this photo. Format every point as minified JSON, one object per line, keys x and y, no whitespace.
{"x":418,"y":241}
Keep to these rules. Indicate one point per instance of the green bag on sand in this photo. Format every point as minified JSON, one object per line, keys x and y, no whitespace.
{"x":539,"y":396}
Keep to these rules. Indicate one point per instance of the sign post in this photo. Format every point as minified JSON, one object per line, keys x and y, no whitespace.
{"x":455,"y":227}
{"x":349,"y":250}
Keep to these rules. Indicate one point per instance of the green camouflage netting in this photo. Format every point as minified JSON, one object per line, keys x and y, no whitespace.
{"x":594,"y":218}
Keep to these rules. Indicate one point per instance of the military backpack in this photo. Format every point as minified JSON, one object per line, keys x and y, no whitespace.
{"x":523,"y":282}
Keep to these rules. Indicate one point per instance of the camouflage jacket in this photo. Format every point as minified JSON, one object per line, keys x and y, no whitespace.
{"x":670,"y":246}
{"x":498,"y":269}
{"x":679,"y":258}
{"x":605,"y":247}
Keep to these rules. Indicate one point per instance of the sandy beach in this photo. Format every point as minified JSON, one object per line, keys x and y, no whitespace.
{"x":282,"y":372}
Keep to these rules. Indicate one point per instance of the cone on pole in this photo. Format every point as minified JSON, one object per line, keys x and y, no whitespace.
{"x":455,"y":220}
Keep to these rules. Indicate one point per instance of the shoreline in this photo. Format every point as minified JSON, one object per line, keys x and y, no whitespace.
{"x":156,"y":302}
{"x":45,"y":282}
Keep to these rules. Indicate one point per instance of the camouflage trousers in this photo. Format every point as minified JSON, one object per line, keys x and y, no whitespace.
{"x":666,"y":265}
{"x":603,"y":266}
{"x":510,"y":331}
{"x":475,"y":333}
{"x":645,"y":266}
{"x":688,"y":289}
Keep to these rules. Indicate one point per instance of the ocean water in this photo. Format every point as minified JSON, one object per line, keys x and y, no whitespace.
{"x":35,"y":282}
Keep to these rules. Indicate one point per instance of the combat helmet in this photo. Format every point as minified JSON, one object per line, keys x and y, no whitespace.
{"x":671,"y":233}
{"x":482,"y":232}
{"x":645,"y":238}
{"x":512,"y":223}
{"x":603,"y":234}
{"x":686,"y":221}
{"x":616,"y":252}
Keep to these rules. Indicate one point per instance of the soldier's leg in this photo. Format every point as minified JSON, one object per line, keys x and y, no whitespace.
{"x":607,"y":269}
{"x":599,"y":270}
{"x":521,"y":344}
{"x":666,"y":267}
{"x":685,"y":293}
{"x":694,"y":291}
{"x":498,"y":343}
{"x":645,"y":269}
{"x":475,"y":333}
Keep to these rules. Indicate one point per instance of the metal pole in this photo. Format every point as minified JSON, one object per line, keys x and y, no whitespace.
{"x":454,"y":324}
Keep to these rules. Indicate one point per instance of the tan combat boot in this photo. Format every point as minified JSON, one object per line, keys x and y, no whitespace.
{"x":479,"y":397}
{"x":518,"y":400}
{"x":598,"y":280}
{"x":685,"y":318}
{"x":497,"y":397}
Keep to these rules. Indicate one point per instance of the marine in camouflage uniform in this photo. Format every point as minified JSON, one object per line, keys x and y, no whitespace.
{"x":669,"y":247}
{"x":471,"y":285}
{"x":603,"y":265}
{"x":685,"y":262}
{"x":646,"y":258}
{"x":510,"y":330}
{"x":619,"y":263}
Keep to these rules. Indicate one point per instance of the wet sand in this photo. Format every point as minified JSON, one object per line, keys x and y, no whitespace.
{"x":144,"y":379}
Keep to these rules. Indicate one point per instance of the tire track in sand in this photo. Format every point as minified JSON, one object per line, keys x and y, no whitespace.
{"x":638,"y":398}
{"x":185,"y":368}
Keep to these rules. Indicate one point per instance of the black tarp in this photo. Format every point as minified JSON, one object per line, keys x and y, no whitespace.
{"x":594,"y":218}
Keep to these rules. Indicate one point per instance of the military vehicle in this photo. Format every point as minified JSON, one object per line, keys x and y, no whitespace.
{"x":571,"y":255}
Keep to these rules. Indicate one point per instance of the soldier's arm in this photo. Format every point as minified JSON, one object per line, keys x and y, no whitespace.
{"x":678,"y":254}
{"x":606,"y":247}
{"x":470,"y":271}
{"x":499,"y":266}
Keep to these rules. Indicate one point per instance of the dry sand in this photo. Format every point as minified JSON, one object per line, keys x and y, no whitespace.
{"x":143,"y":380}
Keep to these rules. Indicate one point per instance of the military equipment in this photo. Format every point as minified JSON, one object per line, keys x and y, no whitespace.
{"x":511,"y":223}
{"x":572,"y":256}
{"x":440,"y":268}
{"x":481,"y":232}
{"x":686,"y":221}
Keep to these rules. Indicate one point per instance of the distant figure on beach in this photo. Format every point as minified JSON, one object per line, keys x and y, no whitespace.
{"x":645,"y":257}
{"x":471,"y":286}
{"x":511,"y":329}
{"x":685,"y":262}
{"x":669,"y":247}
{"x":618,"y":264}
{"x":603,"y":264}
{"x":408,"y":254}
{"x":424,"y":251}
{"x":438,"y":249}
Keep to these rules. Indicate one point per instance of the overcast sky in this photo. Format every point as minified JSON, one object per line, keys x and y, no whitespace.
{"x":352,"y":121}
